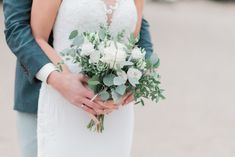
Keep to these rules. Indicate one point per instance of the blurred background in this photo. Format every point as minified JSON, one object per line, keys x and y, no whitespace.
{"x":195,"y":40}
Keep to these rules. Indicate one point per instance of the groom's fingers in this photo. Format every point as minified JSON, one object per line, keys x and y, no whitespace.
{"x":92,"y":104}
{"x":89,"y":110}
{"x":107,"y":104}
{"x":129,"y":99}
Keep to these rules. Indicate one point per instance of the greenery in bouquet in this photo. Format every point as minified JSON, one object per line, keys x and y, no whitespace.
{"x":116,"y":66}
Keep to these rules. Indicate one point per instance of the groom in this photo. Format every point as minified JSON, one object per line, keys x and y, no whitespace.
{"x":33,"y":67}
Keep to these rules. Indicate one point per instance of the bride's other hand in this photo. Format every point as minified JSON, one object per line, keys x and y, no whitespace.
{"x":109,"y":106}
{"x":71,"y":87}
{"x":112,"y":106}
{"x":101,"y":106}
{"x":129,"y":98}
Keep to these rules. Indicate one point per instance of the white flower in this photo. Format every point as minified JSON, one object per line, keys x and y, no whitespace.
{"x":101,"y":47}
{"x":133,"y":73}
{"x":112,"y":55}
{"x":87,"y":48}
{"x":94,"y":57}
{"x":137,"y":53}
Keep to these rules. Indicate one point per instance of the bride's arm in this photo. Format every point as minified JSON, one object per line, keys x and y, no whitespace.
{"x":43,"y":15}
{"x":139,"y":7}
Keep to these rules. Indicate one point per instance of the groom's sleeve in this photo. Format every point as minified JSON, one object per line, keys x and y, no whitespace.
{"x":20,"y":39}
{"x":145,"y":40}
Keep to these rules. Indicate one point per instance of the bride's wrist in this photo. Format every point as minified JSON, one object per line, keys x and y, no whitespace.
{"x":51,"y":80}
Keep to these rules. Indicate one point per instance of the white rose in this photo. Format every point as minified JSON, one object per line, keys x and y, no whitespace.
{"x":137,"y":53}
{"x":101,"y":47}
{"x":133,"y":73}
{"x":94,"y":57}
{"x":112,"y":55}
{"x":87,"y":48}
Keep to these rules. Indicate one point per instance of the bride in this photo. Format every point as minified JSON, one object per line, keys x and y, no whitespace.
{"x":62,"y":128}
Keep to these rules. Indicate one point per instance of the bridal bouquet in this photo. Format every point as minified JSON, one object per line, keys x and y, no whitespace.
{"x":115,"y":66}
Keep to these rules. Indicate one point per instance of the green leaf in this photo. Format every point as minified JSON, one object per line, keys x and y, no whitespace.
{"x":121,"y":89}
{"x":93,"y":82}
{"x":90,"y":82}
{"x":132,"y":38}
{"x":102,"y":34}
{"x":119,"y":80}
{"x":116,"y":97}
{"x":162,"y":96}
{"x":108,"y":80}
{"x":133,"y":81}
{"x":126,"y":63}
{"x":94,"y":78}
{"x":156,"y":65}
{"x":78,"y":41}
{"x":142,"y":102}
{"x":73,"y":34}
{"x":104,"y":95}
{"x":155,"y":76}
{"x":154,"y":59}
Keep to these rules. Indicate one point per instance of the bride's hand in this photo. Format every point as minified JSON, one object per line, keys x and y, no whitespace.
{"x":71,"y":87}
{"x":127,"y":99}
{"x":111,"y":105}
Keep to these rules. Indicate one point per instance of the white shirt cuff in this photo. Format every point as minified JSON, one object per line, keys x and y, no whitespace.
{"x":45,"y":71}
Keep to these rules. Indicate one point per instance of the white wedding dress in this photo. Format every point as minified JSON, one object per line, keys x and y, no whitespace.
{"x":62,"y":128}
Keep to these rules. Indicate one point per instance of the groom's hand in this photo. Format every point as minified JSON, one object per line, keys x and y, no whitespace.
{"x":71,"y":87}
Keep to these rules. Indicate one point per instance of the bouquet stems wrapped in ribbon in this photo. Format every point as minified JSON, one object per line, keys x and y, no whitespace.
{"x":115,"y":66}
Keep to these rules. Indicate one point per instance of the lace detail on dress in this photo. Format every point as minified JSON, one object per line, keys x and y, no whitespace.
{"x":88,"y":15}
{"x":110,"y":6}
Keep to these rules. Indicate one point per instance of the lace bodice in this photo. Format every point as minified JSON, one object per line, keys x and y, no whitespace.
{"x":88,"y":15}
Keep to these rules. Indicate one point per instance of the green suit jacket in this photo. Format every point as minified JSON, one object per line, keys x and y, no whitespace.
{"x":30,"y":57}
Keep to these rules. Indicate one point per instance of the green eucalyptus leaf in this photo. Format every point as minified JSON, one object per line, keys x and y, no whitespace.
{"x":116,"y":97}
{"x":78,"y":41}
{"x":104,"y":95}
{"x":133,"y":81}
{"x":73,"y":34}
{"x":154,"y":59}
{"x":108,"y":80}
{"x":126,"y":63}
{"x":121,"y":89}
{"x":93,"y":82}
{"x":65,"y":52}
{"x":156,"y":65}
{"x":155,"y":75}
{"x":119,"y":80}
{"x":102,"y":34}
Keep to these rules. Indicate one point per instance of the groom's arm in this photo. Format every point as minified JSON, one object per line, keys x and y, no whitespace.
{"x":145,"y":40}
{"x":20,"y":39}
